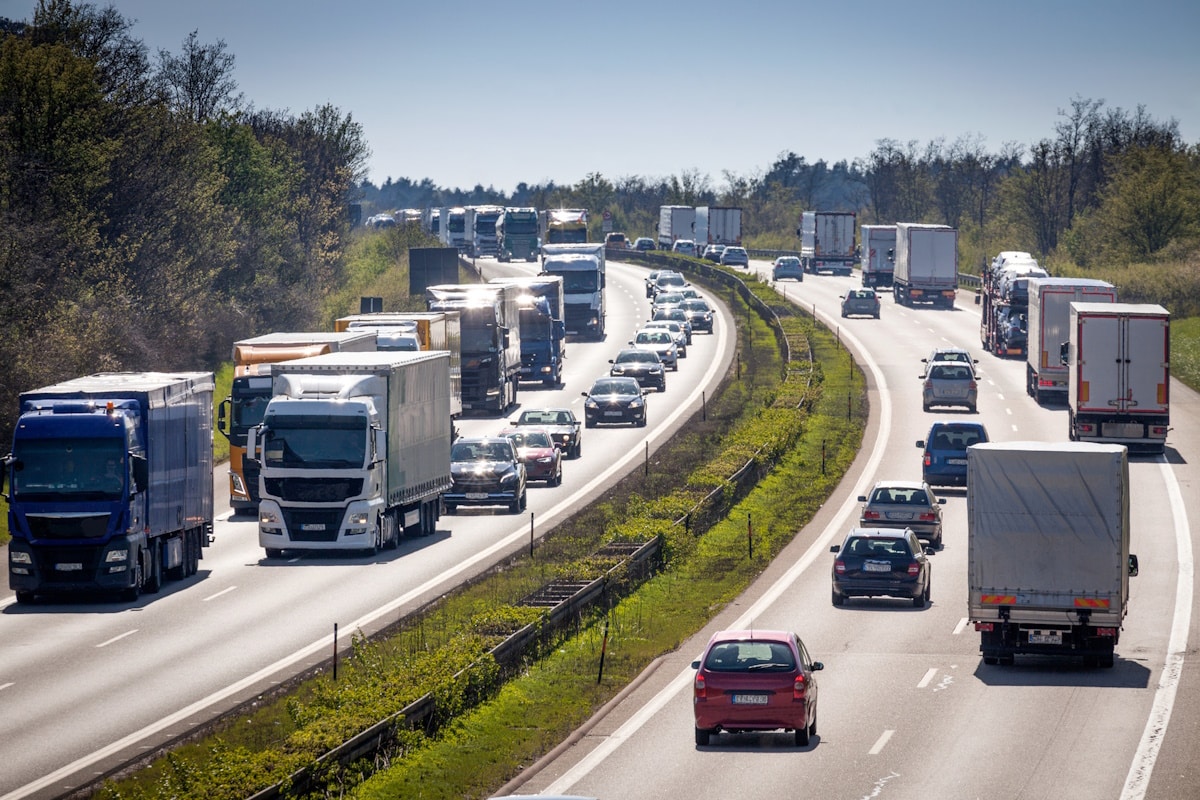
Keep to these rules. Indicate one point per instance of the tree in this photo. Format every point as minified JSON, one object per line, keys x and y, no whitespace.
{"x":199,"y":81}
{"x":1152,"y":200}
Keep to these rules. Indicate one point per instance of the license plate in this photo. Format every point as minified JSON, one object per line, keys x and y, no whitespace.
{"x":749,"y":699}
{"x":614,"y":413}
{"x":477,"y":495}
{"x":69,"y":567}
{"x":1127,"y":430}
{"x":958,"y":462}
{"x":876,"y":566}
{"x":1045,"y":637}
{"x":899,"y":515}
{"x":313,"y":526}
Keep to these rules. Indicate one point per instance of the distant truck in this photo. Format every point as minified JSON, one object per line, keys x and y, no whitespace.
{"x":484,"y":238}
{"x":926,"y":267}
{"x":517,"y":234}
{"x":564,"y":226}
{"x":1119,"y":383}
{"x":410,"y":331}
{"x":827,"y":241}
{"x":1048,"y":561}
{"x":110,"y":484}
{"x":1049,"y":317}
{"x":490,"y":323}
{"x":251,"y":391}
{"x":455,"y":228}
{"x":878,"y":255}
{"x":354,"y":451}
{"x":543,"y":327}
{"x":582,"y":268}
{"x":717,"y":225}
{"x":674,"y":223}
{"x":1004,"y":302}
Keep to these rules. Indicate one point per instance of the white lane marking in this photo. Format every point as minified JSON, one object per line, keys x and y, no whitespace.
{"x":324,"y":643}
{"x":1008,"y":411}
{"x":8,"y":601}
{"x":4,"y":686}
{"x":961,"y":626}
{"x":1014,"y":427}
{"x":218,"y":594}
{"x":228,"y":515}
{"x":880,"y":743}
{"x":1138,"y":779}
{"x":921,"y":684}
{"x":118,"y":638}
{"x":998,"y":394}
{"x":836,"y":528}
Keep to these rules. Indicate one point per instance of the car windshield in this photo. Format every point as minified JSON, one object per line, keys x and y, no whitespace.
{"x":614,"y":387}
{"x":550,"y":417}
{"x":951,"y":355}
{"x":694,"y":305}
{"x":900,"y":496}
{"x":481,"y":451}
{"x":529,"y":439}
{"x":668,"y":297}
{"x":876,"y":547}
{"x":671,"y":313}
{"x":789,"y":262}
{"x":636,"y":356}
{"x":750,"y":657}
{"x":653,"y":337}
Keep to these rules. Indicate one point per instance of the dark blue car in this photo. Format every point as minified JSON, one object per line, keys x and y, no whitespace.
{"x":945,"y":459}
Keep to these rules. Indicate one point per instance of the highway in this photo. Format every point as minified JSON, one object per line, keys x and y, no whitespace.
{"x":907,"y":708}
{"x":85,"y":686}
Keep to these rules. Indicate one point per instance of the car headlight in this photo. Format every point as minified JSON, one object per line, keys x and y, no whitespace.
{"x":509,"y":477}
{"x":636,"y":403}
{"x":617,"y":370}
{"x":545,"y":460}
{"x":590,"y":403}
{"x":116,"y":556}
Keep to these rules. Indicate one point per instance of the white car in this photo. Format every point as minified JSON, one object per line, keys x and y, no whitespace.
{"x":676,"y":330}
{"x":685,"y":247}
{"x":659,"y":341}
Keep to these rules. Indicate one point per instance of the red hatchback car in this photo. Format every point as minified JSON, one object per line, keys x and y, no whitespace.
{"x":537,"y":451}
{"x":749,"y":681}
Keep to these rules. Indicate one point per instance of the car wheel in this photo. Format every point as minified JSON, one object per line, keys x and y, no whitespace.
{"x":515,"y":506}
{"x":972,"y":409}
{"x":451,"y":508}
{"x":920,"y":600}
{"x":991,"y":660}
{"x":702,"y":737}
{"x":577,"y":451}
{"x":662,"y":387}
{"x":587,"y":423}
{"x":557,"y":477}
{"x":838,"y":599}
{"x":802,"y":737}
{"x":812,"y":729}
{"x":924,"y":406}
{"x":274,"y":552}
{"x":937,"y":543}
{"x":24,"y":598}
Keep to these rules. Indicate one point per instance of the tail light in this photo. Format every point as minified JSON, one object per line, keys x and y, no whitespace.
{"x":839,"y":567}
{"x":914,"y":568}
{"x":985,"y":627}
{"x":700,"y":690}
{"x":972,"y":385}
{"x":871,"y":515}
{"x":928,"y":516}
{"x":1110,"y":633}
{"x":799,"y":688}
{"x":928,"y":384}
{"x":928,"y":458}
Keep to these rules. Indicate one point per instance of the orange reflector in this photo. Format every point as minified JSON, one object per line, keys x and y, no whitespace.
{"x":999,"y":599}
{"x":1090,"y":602}
{"x":1162,"y":394}
{"x":1084,"y":394}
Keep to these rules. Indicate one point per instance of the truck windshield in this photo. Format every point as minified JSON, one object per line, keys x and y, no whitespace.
{"x":517,"y":225}
{"x":578,"y":282}
{"x":85,"y":469}
{"x":535,"y":325}
{"x":248,"y":410}
{"x":315,"y":441}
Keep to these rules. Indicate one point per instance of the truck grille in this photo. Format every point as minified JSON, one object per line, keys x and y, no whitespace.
{"x":313,"y":525}
{"x":93,"y":527}
{"x":314,"y":490}
{"x":577,"y":316}
{"x":250,"y":470}
{"x":47,"y":557}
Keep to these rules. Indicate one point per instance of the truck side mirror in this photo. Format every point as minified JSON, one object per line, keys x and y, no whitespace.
{"x":1133,"y":565}
{"x":252,"y":444}
{"x":223,"y":416}
{"x":141,"y":472}
{"x":1064,"y":353}
{"x":506,"y":339}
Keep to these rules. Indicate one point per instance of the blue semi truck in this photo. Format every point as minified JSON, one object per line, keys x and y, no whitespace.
{"x":543,"y":328}
{"x":110,"y":484}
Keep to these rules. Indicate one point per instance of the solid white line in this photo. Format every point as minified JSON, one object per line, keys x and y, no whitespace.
{"x":921,"y":684}
{"x":880,"y":743}
{"x":961,"y":626}
{"x":218,"y":594}
{"x":118,"y":638}
{"x":1138,"y":779}
{"x":818,"y":549}
{"x":4,"y":686}
{"x":521,"y":534}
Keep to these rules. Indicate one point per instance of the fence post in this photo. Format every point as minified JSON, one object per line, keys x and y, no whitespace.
{"x":335,"y":664}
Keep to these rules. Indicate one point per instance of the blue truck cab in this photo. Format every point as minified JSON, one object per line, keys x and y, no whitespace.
{"x":110,"y":485}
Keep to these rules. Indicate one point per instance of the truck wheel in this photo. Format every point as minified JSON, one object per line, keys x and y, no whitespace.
{"x":197,"y":547}
{"x":154,"y":573}
{"x":1007,"y":660}
{"x":991,"y":660}
{"x":133,"y":592}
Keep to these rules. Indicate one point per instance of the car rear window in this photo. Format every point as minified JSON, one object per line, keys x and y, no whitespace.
{"x":750,"y":657}
{"x":900,"y":496}
{"x":869,"y":547}
{"x":949,"y":372}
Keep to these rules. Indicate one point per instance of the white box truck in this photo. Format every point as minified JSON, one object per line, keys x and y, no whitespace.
{"x":354,"y":451}
{"x":926,"y":266}
{"x":1119,"y":382}
{"x":582,"y":268}
{"x":1048,"y":318}
{"x":877,"y":251}
{"x":827,"y":241}
{"x":717,"y":225}
{"x":675,"y":223}
{"x":1048,"y":561}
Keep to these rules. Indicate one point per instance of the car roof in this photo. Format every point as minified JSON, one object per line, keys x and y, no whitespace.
{"x":751,"y":634}
{"x":900,"y":485}
{"x":879,"y":533}
{"x":957,"y":423}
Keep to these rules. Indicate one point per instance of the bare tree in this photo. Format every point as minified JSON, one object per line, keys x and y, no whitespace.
{"x":199,"y":82}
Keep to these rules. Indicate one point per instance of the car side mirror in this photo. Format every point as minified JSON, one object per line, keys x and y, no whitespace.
{"x":817,"y":666}
{"x":1133,"y":565}
{"x":921,"y":443}
{"x":695,"y":665}
{"x":941,"y":501}
{"x":613,"y":360}
{"x":835,"y":548}
{"x":583,"y":394}
{"x":862,"y":498}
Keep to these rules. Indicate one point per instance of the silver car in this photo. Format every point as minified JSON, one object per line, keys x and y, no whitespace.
{"x":676,"y":330}
{"x":947,"y":383}
{"x":735,"y":257}
{"x":904,"y":504}
{"x":660,"y":342}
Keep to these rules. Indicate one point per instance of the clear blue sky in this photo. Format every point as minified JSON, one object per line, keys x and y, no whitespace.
{"x":499,"y":92}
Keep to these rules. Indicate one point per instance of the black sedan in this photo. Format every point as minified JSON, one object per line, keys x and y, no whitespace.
{"x":562,"y":424}
{"x":615,"y":400}
{"x":874,"y":562}
{"x":699,"y":314}
{"x":644,"y":365}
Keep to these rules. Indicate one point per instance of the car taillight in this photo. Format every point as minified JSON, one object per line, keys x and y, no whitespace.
{"x":972,"y":385}
{"x":839,"y":567}
{"x":914,"y":568}
{"x":700,"y":690}
{"x":928,"y":458}
{"x":870,"y":515}
{"x":799,"y":688}
{"x":928,"y":384}
{"x":928,"y":516}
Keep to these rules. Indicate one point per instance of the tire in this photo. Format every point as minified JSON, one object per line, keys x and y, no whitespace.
{"x":1007,"y":660}
{"x":181,"y":572}
{"x":587,"y":423}
{"x":524,"y":500}
{"x":274,"y":552}
{"x":641,"y":423}
{"x":937,"y":543}
{"x":812,"y":729}
{"x":557,"y":481}
{"x":802,"y":736}
{"x":25,"y":598}
{"x":972,"y":409}
{"x":197,"y":552}
{"x":132,"y":593}
{"x":921,"y":600}
{"x":702,"y":737}
{"x":577,"y":449}
{"x":991,"y":660}
{"x":925,"y":406}
{"x":515,"y":506}
{"x":662,"y":387}
{"x":839,"y":600}
{"x":154,"y":575}
{"x":451,"y":508}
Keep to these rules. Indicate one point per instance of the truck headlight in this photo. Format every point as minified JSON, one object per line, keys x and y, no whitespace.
{"x":19,"y":557}
{"x":267,"y":517}
{"x":359,"y":518}
{"x":116,"y":556}
{"x":239,"y":486}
